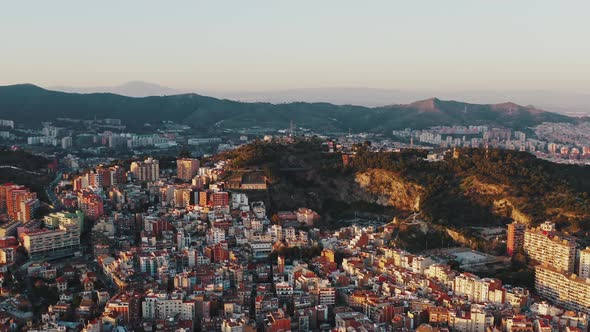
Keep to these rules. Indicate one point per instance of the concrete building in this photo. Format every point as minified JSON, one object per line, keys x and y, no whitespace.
{"x":563,"y":288}
{"x":584,"y":268}
{"x":91,"y":204}
{"x":44,"y":244}
{"x":479,"y":289}
{"x":162,"y":305}
{"x":475,"y":320}
{"x":220,"y":198}
{"x":187,"y":168}
{"x":147,"y":170}
{"x":128,"y":305}
{"x":307,"y":216}
{"x":515,"y":237}
{"x":66,"y":142}
{"x":9,"y":228}
{"x":544,"y":246}
{"x":54,"y":220}
{"x":18,"y":201}
{"x":277,"y":321}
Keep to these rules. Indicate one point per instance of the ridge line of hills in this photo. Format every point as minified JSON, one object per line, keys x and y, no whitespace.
{"x":30,"y":104}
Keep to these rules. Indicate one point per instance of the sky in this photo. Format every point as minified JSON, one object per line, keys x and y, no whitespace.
{"x":270,"y":45}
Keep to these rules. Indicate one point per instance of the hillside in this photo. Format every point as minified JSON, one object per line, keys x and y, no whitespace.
{"x":478,"y":188}
{"x":23,"y":168}
{"x":30,"y":105}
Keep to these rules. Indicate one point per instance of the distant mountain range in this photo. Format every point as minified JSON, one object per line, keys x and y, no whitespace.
{"x":574,"y":104}
{"x":569,"y":103}
{"x":129,"y":89}
{"x":30,"y":104}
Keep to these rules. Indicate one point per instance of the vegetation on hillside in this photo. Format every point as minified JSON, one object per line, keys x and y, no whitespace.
{"x":539,"y":189}
{"x":458,"y":191}
{"x":23,"y":168}
{"x":29,"y":104}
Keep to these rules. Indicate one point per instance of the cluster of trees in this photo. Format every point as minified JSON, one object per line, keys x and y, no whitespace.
{"x":291,"y":253}
{"x":276,"y":156}
{"x":22,"y":159}
{"x":31,"y":170}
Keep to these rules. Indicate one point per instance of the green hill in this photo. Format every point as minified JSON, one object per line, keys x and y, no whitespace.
{"x":30,"y":105}
{"x":23,"y":168}
{"x":479,"y":188}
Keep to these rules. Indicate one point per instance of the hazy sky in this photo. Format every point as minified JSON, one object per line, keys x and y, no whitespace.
{"x":262,"y":45}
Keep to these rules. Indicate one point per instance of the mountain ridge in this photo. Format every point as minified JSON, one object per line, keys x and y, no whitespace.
{"x":569,"y":103}
{"x":137,"y":89}
{"x":29,"y":103}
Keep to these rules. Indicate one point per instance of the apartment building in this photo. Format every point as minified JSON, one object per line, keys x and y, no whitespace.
{"x":44,"y":243}
{"x":584,"y":268}
{"x":563,"y":288}
{"x":475,"y":320}
{"x":54,"y":220}
{"x":544,"y":246}
{"x":90,"y":203}
{"x":479,"y":289}
{"x":515,"y":237}
{"x":18,"y":201}
{"x":187,"y":168}
{"x":277,"y":321}
{"x":127,"y":304}
{"x":147,"y":170}
{"x":9,"y":228}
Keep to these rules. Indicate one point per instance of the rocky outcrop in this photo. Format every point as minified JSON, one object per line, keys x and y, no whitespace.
{"x":458,"y":237}
{"x":473,"y":185}
{"x":388,"y":189}
{"x":506,"y":205}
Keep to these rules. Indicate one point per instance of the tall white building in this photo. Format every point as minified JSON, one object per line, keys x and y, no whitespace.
{"x":66,"y":142}
{"x":542,"y":245}
{"x":215,"y":235}
{"x":478,"y":289}
{"x":147,"y":170}
{"x":161,"y":305}
{"x":563,"y":288}
{"x":584,"y":270}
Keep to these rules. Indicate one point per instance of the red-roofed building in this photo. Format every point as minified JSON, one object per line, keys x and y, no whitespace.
{"x":20,"y":203}
{"x":62,"y":284}
{"x":128,"y":304}
{"x":91,"y":204}
{"x":277,"y":321}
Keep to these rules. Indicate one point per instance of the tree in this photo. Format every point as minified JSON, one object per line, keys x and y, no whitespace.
{"x":519,"y":259}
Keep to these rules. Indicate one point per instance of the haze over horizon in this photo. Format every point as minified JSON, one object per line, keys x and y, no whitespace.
{"x":567,"y":103}
{"x":275,"y":46}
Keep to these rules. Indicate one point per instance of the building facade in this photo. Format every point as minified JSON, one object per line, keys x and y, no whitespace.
{"x":515,"y":237}
{"x":544,"y":246}
{"x":563,"y":288}
{"x":44,"y":244}
{"x":147,"y":170}
{"x":187,"y":168}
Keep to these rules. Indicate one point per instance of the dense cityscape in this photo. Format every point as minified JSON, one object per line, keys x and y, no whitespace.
{"x":181,"y":247}
{"x":295,"y":166}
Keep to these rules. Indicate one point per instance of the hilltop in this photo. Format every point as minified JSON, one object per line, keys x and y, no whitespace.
{"x":130,"y":89}
{"x":479,"y":188}
{"x":30,"y":104}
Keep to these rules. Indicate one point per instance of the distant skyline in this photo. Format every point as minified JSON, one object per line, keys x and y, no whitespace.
{"x":220,"y":46}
